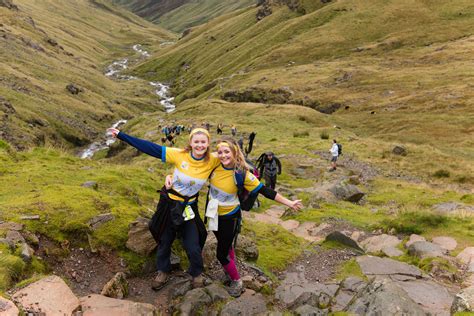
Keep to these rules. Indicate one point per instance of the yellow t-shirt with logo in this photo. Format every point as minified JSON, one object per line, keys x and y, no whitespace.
{"x":190,"y":174}
{"x":224,"y":189}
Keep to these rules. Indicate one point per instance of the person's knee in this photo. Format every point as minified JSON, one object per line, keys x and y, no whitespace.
{"x":223,"y":259}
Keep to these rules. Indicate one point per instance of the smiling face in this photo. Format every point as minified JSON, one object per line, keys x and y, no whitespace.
{"x":199,"y":144}
{"x":225,"y":155}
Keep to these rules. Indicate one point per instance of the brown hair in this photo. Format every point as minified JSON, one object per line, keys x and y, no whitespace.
{"x":240,"y":163}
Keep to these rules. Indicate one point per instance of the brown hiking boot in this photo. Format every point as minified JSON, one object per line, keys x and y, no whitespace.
{"x":198,"y":282}
{"x":159,"y":281}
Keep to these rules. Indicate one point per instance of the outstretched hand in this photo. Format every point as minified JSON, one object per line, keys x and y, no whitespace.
{"x":295,"y":205}
{"x":113,"y":131}
{"x":169,"y":181}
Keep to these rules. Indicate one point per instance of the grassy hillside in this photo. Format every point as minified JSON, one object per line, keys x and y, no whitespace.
{"x":179,"y":15}
{"x":47,"y":45}
{"x":396,"y":70}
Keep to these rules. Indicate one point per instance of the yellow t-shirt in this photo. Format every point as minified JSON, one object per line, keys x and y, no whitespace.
{"x":224,"y":189}
{"x":190,"y":174}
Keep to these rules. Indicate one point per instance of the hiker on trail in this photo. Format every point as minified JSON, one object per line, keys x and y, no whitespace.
{"x":177,"y":211}
{"x":334,"y":154}
{"x":248,"y":150}
{"x":269,"y":167}
{"x":219,"y":129}
{"x":233,"y":130}
{"x":233,"y":188}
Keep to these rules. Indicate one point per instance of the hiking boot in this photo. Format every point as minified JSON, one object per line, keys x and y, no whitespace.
{"x":198,"y":282}
{"x":226,"y":280}
{"x":236,"y":288}
{"x":160,"y":280}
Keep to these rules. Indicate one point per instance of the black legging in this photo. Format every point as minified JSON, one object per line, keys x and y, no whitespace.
{"x":225,"y":236}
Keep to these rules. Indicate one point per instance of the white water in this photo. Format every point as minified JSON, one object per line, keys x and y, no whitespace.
{"x":114,"y":71}
{"x":101,"y":144}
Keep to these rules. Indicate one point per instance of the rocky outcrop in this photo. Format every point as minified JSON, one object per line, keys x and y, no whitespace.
{"x":447,"y":243}
{"x":425,"y":249}
{"x":380,"y":243}
{"x":383,"y":297}
{"x":98,"y":305}
{"x":399,"y":151}
{"x":265,"y":6}
{"x":347,"y":192}
{"x":249,"y":303}
{"x":50,"y":296}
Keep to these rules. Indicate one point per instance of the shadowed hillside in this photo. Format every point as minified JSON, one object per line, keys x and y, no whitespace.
{"x":49,"y":45}
{"x":178,"y":15}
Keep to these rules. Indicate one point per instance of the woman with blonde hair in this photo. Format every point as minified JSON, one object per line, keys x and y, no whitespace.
{"x":225,"y":204}
{"x":177,"y":211}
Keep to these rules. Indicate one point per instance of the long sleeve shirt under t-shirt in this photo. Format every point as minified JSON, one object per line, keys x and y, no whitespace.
{"x":190,"y":173}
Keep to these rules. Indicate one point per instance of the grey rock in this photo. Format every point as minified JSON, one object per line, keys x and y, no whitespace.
{"x":247,"y":304}
{"x":392,"y":251}
{"x":11,"y":226}
{"x":90,"y":184}
{"x":347,"y":192}
{"x":383,"y":297}
{"x":305,"y":298}
{"x":399,"y":150}
{"x":372,"y":266}
{"x":216,"y":292}
{"x":247,"y":248}
{"x":447,"y":243}
{"x":414,"y":238}
{"x":308,"y":310}
{"x":117,"y":287}
{"x":14,"y":237}
{"x":7,"y":242}
{"x":193,"y":302}
{"x":353,"y":284}
{"x":99,"y":220}
{"x":450,"y":207}
{"x":98,"y":305}
{"x":432,"y":297}
{"x":344,"y":240}
{"x":73,"y":89}
{"x":377,"y":243}
{"x":425,"y":249}
{"x":26,"y":252}
{"x":30,"y":217}
{"x":140,"y":239}
{"x":464,"y":301}
{"x":181,"y":287}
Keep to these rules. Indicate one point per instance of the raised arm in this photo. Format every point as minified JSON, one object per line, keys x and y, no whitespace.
{"x":142,"y":145}
{"x":273,"y":195}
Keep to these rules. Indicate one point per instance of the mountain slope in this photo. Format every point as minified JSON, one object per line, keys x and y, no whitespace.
{"x":178,"y":15}
{"x":399,"y":70}
{"x":47,"y":45}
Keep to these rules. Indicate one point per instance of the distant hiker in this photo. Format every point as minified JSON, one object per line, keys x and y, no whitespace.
{"x":241,"y":143}
{"x":232,"y":187}
{"x":207,"y":126}
{"x":335,"y":150}
{"x":250,"y":144}
{"x":269,"y":167}
{"x":219,"y":129}
{"x":233,"y":130}
{"x":177,"y":211}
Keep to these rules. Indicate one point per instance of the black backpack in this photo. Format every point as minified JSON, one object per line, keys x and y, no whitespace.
{"x":246,"y":198}
{"x":339,"y":149}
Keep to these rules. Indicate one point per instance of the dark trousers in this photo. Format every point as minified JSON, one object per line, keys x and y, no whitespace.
{"x":190,"y":239}
{"x":225,"y":236}
{"x":270,"y":181}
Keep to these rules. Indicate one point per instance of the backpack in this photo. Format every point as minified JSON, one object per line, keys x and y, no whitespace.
{"x":339,"y":149}
{"x":246,"y":198}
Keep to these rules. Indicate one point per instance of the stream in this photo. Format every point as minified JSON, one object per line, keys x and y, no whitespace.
{"x":114,"y":71}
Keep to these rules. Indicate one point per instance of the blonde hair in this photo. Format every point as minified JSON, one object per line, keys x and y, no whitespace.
{"x":198,"y":131}
{"x":239,"y":157}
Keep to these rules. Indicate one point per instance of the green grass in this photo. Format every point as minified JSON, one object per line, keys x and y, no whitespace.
{"x":348,"y":269}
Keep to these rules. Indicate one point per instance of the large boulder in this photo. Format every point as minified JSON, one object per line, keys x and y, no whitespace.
{"x":414,"y":238}
{"x":384,"y":297}
{"x":50,"y":296}
{"x":99,"y":220}
{"x":447,"y":243}
{"x":464,"y":301}
{"x":246,"y":248}
{"x":193,"y":301}
{"x":347,"y":192}
{"x":98,"y":305}
{"x":340,"y":238}
{"x":425,"y":249}
{"x":140,"y":239}
{"x":249,"y":303}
